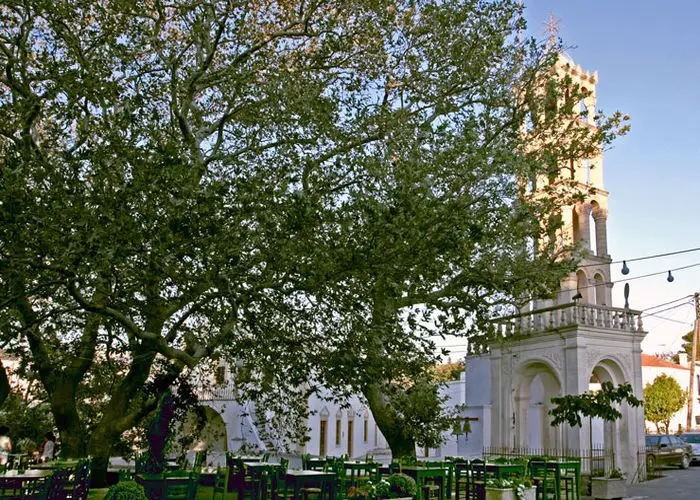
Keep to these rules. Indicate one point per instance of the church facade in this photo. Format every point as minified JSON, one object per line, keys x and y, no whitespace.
{"x":567,"y":345}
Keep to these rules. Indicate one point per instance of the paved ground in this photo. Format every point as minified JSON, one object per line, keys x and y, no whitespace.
{"x":676,"y":484}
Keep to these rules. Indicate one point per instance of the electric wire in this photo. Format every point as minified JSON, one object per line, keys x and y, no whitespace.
{"x":667,"y":303}
{"x":647,"y":257}
{"x":667,"y":309}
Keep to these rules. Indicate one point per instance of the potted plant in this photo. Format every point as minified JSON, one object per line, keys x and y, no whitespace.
{"x":612,"y":486}
{"x":401,"y":486}
{"x":516,"y":488}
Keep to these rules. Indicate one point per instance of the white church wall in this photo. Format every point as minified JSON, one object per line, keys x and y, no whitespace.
{"x":350,"y":429}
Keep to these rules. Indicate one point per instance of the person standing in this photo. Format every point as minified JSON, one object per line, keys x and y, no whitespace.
{"x":47,"y":449}
{"x":5,"y":445}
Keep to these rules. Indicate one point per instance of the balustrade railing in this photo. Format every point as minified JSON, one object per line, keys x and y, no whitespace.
{"x":216,"y":393}
{"x":552,"y":318}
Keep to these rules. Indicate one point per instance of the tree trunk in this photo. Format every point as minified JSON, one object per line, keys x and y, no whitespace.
{"x":4,"y":384}
{"x":73,"y":433}
{"x":391,"y":425}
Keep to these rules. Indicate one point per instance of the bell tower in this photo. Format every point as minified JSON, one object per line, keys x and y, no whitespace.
{"x":585,"y":223}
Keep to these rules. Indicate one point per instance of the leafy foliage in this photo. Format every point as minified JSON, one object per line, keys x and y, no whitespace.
{"x":595,"y":404}
{"x":126,"y":490}
{"x":28,"y":421}
{"x":448,"y":372}
{"x":304,"y":189}
{"x":402,"y":485}
{"x":663,"y":398}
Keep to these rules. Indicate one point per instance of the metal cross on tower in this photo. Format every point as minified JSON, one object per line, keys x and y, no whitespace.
{"x":551,"y":29}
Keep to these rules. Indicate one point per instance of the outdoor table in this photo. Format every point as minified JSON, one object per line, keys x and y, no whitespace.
{"x":503,"y":471}
{"x":12,"y":483}
{"x":298,"y":479}
{"x":356,"y":469}
{"x":256,"y":470}
{"x":561,"y":470}
{"x":315,"y":463}
{"x":420,"y":474}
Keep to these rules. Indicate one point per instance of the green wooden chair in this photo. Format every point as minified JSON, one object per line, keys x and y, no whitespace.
{"x":220,"y":483}
{"x":36,"y":489}
{"x":199,"y":459}
{"x":57,"y":484}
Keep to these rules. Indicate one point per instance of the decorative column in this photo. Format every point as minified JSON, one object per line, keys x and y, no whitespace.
{"x":600,"y":217}
{"x":583,"y":211}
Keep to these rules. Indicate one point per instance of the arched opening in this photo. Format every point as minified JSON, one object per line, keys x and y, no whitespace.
{"x":575,"y":225}
{"x":604,"y":437}
{"x":202,"y":429}
{"x":582,"y":285}
{"x":537,"y":385}
{"x":599,"y":282}
{"x":593,"y":223}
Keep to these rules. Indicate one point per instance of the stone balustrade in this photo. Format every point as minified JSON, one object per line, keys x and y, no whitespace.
{"x":553,"y":318}
{"x":216,"y":393}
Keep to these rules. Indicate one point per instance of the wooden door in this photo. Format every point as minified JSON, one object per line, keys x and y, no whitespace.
{"x":322,"y":438}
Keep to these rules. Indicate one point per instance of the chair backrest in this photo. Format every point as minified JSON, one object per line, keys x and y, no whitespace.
{"x":220,"y":479}
{"x":199,"y":458}
{"x":35,"y":489}
{"x":177,"y":488}
{"x":57,"y":484}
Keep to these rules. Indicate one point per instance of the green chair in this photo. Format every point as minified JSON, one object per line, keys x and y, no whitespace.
{"x":57,"y":484}
{"x":177,"y":488}
{"x":199,"y":459}
{"x":543,"y":477}
{"x":220,"y":483}
{"x":35,"y":489}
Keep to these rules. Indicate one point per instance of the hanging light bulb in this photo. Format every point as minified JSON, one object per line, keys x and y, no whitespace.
{"x":625,"y":269}
{"x":670,"y":277}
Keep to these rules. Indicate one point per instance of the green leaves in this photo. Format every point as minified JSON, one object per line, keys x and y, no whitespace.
{"x":593,"y":404}
{"x":663,"y":398}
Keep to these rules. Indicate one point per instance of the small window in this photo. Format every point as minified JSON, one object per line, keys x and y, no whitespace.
{"x":322,"y":438}
{"x":337,"y":432}
{"x":365,"y":431}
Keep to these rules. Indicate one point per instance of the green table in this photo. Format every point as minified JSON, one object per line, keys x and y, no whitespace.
{"x":503,"y":471}
{"x":298,"y":479}
{"x":566,"y":470}
{"x":370,"y":470}
{"x":421,"y":474}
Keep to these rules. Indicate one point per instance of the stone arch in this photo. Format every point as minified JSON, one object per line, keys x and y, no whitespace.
{"x":535,"y":382}
{"x":599,"y":283}
{"x":608,"y":434}
{"x":202,"y":429}
{"x":582,"y":285}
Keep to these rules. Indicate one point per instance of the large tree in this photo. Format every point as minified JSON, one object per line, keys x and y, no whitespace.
{"x":663,"y":398}
{"x":306,"y":188}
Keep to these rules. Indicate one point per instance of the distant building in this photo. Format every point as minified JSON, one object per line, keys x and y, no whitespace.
{"x":653,"y":366}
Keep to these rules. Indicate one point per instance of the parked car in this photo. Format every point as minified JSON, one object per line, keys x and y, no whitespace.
{"x":667,"y":450}
{"x":693,"y":438}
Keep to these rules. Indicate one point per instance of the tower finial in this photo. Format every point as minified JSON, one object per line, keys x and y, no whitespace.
{"x":551,"y":29}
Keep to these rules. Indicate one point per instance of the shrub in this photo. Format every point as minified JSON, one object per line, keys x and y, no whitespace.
{"x":126,"y":490}
{"x":402,"y":485}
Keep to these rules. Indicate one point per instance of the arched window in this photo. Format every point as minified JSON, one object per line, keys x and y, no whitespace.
{"x":582,"y":284}
{"x":599,"y":289}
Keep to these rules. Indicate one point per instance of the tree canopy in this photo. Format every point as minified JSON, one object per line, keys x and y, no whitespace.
{"x":307,"y":189}
{"x":593,"y":404}
{"x":663,"y":398}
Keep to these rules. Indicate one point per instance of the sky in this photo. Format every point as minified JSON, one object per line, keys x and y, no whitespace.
{"x":647,"y":58}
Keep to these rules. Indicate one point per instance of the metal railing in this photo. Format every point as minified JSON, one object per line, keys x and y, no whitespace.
{"x":599,"y":460}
